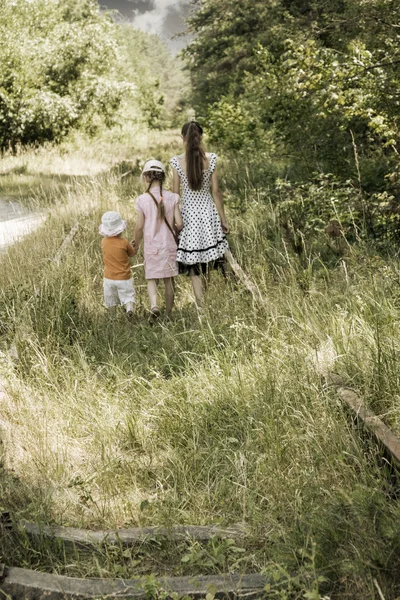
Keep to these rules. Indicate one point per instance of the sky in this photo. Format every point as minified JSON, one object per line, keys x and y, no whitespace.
{"x":164,"y":17}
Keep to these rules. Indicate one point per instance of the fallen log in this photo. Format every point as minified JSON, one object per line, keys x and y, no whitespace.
{"x":382,"y":432}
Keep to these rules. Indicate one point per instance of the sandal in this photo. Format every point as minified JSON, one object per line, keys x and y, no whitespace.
{"x":154,"y":314}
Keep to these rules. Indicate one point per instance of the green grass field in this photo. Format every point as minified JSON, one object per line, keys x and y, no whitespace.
{"x":222,"y":418}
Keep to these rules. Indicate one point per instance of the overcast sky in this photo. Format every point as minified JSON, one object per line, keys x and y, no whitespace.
{"x":164,"y":17}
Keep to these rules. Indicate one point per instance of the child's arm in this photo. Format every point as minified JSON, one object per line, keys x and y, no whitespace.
{"x":178,"y":218}
{"x":139,"y":229}
{"x":131,"y":249}
{"x":219,"y":201}
{"x":176,"y":182}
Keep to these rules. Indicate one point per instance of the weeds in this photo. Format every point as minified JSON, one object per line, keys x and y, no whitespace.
{"x":222,"y":419}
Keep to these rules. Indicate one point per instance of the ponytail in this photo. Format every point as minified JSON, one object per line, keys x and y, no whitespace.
{"x":195,"y":154}
{"x":160,"y":177}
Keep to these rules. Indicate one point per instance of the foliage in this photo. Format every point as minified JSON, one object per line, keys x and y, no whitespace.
{"x":55,"y":69}
{"x":316,"y":84}
{"x":161,"y":85}
{"x":332,"y":209}
{"x":326,"y":107}
{"x":66,"y":65}
{"x":217,"y":555}
{"x":221,"y":52}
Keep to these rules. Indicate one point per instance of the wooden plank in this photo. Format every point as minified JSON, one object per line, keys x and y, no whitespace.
{"x":382,"y":432}
{"x":245,"y":279}
{"x":127,"y":537}
{"x":68,"y":239}
{"x":24,"y":584}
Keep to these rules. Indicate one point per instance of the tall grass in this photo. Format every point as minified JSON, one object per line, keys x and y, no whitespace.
{"x":221,"y":418}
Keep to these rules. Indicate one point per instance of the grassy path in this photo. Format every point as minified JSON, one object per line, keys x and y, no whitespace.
{"x":220,"y":420}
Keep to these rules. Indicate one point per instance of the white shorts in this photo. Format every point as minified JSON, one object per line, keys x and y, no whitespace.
{"x":118,"y":291}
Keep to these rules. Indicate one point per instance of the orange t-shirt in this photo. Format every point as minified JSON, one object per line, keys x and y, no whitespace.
{"x":116,"y":253}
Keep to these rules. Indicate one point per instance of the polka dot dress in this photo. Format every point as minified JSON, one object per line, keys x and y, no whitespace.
{"x":202,"y":239}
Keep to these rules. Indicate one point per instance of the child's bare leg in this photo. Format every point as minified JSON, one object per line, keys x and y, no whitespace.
{"x":169,"y":294}
{"x":152,"y":291}
{"x":129,"y":307}
{"x":198,"y":287}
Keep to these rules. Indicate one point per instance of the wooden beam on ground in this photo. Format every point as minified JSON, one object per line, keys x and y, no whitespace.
{"x":21,"y":584}
{"x":66,"y":242}
{"x":128,"y":537}
{"x":126,"y":173}
{"x":68,"y":239}
{"x":382,"y":432}
{"x":241,"y":275}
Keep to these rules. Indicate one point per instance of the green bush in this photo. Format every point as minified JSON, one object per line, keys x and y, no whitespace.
{"x":56,"y":63}
{"x":313,"y":87}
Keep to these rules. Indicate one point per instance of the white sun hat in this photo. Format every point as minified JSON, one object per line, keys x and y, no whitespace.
{"x":153,"y":165}
{"x":111,"y":224}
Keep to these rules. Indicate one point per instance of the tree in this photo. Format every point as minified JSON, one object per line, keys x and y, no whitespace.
{"x":161,"y":85}
{"x":321,"y":75}
{"x":57,"y":59}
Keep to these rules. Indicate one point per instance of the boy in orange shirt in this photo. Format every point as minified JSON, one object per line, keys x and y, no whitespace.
{"x":118,"y":285}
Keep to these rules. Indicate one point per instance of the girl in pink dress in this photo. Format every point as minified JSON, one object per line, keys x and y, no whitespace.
{"x":158,"y":220}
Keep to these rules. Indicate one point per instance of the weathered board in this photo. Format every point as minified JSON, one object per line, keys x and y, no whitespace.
{"x":68,"y":239}
{"x":383,"y":434}
{"x":245,"y":279}
{"x":128,"y":537}
{"x":23,"y":584}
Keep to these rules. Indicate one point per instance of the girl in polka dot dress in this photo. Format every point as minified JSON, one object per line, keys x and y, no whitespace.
{"x":202,"y":243}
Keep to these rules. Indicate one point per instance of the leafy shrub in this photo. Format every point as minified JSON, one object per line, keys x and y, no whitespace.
{"x":315,"y":87}
{"x":56,"y":68}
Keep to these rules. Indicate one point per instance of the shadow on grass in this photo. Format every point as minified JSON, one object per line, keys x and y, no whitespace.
{"x":68,"y":328}
{"x":162,"y":349}
{"x":17,"y":497}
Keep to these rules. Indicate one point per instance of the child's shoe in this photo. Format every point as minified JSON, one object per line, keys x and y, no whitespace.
{"x":154,"y":314}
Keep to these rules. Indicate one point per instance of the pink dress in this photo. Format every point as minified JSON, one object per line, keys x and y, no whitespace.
{"x":159,"y":243}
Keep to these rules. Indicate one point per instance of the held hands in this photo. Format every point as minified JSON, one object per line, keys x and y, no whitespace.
{"x":134,"y":247}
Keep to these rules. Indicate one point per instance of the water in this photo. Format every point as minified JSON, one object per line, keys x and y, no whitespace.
{"x":16,"y":222}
